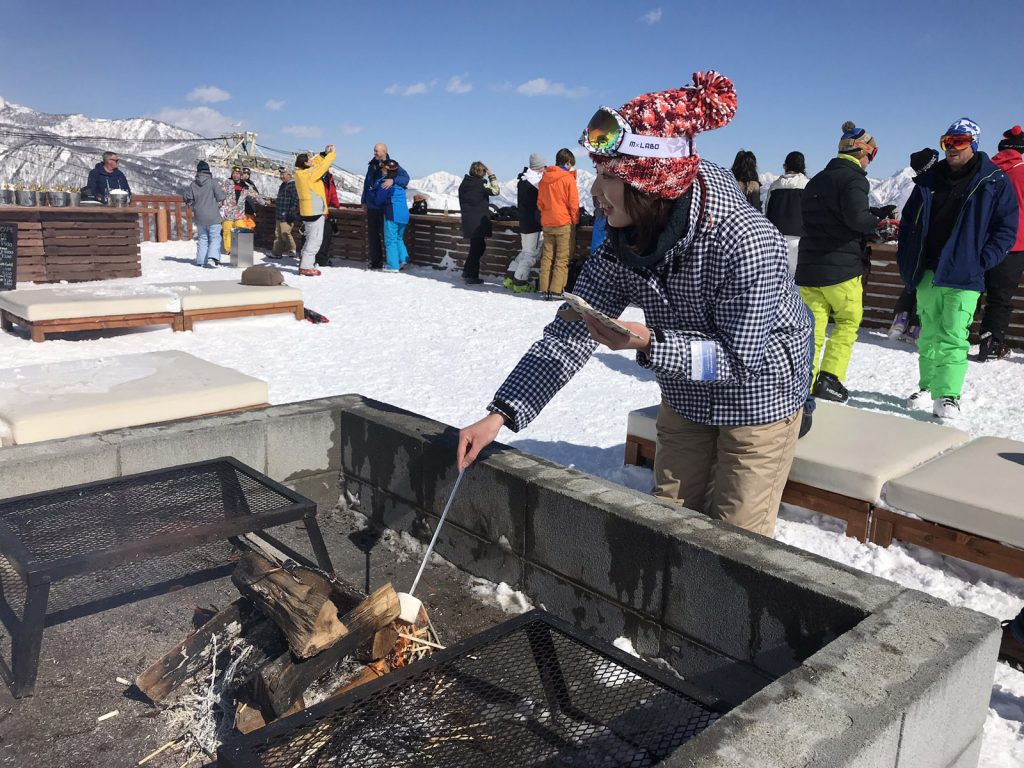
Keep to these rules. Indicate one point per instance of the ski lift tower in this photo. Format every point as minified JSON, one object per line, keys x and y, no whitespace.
{"x":240,"y":149}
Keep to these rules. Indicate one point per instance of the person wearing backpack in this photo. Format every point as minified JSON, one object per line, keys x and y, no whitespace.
{"x":529,"y":226}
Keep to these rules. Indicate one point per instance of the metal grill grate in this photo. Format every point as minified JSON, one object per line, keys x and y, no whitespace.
{"x":530,"y":692}
{"x":68,"y":552}
{"x":99,"y":516}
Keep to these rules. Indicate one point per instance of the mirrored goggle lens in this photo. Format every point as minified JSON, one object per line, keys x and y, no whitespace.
{"x":603,"y":133}
{"x":959,"y":142}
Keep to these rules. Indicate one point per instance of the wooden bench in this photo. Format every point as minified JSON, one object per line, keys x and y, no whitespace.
{"x":222,"y":299}
{"x":78,"y":397}
{"x":966,"y":503}
{"x":59,"y":310}
{"x":842,"y":464}
{"x":46,"y":311}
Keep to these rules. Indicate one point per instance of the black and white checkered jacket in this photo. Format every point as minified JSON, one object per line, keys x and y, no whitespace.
{"x":730,"y":333}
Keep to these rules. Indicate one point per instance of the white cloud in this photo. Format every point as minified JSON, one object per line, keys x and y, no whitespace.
{"x":457,"y":85}
{"x":350,"y":129}
{"x":302,"y":131}
{"x":543,"y":87}
{"x":416,"y":89}
{"x":208,"y":94}
{"x":203,"y":120}
{"x":652,"y":17}
{"x":274,"y":105}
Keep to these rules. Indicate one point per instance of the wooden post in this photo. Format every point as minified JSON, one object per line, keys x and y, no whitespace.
{"x":162,"y":225}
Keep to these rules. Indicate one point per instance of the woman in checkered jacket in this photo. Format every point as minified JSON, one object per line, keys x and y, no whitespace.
{"x":725,"y":331}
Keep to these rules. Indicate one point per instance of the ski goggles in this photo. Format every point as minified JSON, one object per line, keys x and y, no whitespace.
{"x":609,"y":134}
{"x":957,"y":141}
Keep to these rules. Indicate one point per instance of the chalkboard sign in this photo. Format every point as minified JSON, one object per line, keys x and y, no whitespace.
{"x":8,"y":257}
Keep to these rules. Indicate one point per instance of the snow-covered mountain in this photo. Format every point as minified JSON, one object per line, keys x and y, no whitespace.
{"x":47,"y":150}
{"x":37,"y":148}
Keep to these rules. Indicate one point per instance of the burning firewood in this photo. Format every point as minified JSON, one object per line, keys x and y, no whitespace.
{"x":276,"y":686}
{"x":297,"y":600}
{"x":193,"y":654}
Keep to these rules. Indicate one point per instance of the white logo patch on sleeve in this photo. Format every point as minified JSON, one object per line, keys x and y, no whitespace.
{"x":703,"y":360}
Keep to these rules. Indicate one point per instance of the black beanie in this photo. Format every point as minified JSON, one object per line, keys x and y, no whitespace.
{"x":202,"y":165}
{"x":1012,"y":139}
{"x":923,"y":160}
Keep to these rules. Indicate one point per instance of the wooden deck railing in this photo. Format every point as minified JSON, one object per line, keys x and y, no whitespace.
{"x":163,"y":217}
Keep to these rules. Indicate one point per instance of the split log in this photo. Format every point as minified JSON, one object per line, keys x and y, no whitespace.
{"x":276,"y":686}
{"x":297,"y":599}
{"x":193,"y":654}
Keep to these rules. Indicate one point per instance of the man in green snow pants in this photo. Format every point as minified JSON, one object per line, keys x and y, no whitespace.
{"x":959,"y":222}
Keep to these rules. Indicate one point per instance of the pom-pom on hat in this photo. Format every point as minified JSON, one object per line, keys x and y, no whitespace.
{"x":855,"y":140}
{"x":965,"y":126}
{"x":924,"y":159}
{"x":1013,"y":139}
{"x":707,"y":104}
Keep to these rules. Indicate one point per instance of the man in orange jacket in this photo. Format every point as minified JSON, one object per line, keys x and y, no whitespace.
{"x":559,"y":204}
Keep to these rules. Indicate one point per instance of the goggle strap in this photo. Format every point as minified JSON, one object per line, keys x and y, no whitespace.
{"x":656,"y":146}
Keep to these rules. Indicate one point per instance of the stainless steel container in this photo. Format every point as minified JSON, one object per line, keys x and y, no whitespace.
{"x":26,"y":197}
{"x":58,"y":199}
{"x":117,"y":200}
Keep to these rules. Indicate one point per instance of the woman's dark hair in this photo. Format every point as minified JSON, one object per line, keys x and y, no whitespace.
{"x":300,"y":160}
{"x":478,"y":169}
{"x":650,"y":216}
{"x":565,"y":157}
{"x":795,"y":163}
{"x":744,"y":167}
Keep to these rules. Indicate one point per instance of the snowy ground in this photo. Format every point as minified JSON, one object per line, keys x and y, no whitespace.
{"x":423,"y":341}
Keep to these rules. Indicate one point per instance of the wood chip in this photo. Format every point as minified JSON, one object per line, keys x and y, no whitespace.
{"x":107,"y":716}
{"x":156,"y":752}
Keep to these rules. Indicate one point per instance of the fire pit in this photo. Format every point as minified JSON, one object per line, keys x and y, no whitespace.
{"x":532,"y":691}
{"x":113,"y":525}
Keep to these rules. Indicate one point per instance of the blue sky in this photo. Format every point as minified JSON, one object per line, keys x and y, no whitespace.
{"x":446,"y":83}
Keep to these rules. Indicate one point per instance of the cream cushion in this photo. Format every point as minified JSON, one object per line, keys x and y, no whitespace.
{"x":217,"y":294}
{"x":978,"y":488}
{"x":854,"y":452}
{"x":74,"y":303}
{"x":848,"y":451}
{"x":54,"y":400}
{"x":641,"y":423}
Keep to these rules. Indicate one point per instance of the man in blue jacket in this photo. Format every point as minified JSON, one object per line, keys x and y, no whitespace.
{"x":960,"y":220}
{"x":107,"y":176}
{"x":374,"y":213}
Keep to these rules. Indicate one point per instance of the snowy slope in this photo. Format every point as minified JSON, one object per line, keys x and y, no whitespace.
{"x":442,"y":189}
{"x":158,"y":158}
{"x":449,"y":367}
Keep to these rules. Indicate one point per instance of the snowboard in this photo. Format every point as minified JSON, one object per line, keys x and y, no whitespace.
{"x":315,"y":317}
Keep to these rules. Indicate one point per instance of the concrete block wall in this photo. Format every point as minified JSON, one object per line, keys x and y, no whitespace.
{"x":823,"y":665}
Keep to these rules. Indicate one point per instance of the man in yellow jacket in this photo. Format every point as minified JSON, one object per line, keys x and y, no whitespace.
{"x":312,"y":204}
{"x":559,"y":204}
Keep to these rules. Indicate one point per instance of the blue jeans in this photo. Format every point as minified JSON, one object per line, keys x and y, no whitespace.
{"x":394,"y":245}
{"x":207,"y":244}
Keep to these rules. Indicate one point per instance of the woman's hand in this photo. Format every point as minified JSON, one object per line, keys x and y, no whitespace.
{"x":476,"y":437}
{"x":604,"y":335}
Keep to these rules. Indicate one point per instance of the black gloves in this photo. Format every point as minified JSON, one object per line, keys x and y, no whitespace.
{"x":884,"y":211}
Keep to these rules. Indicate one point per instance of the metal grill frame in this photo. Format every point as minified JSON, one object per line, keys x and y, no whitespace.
{"x":26,"y":633}
{"x":243,"y":751}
